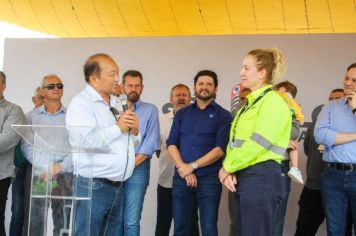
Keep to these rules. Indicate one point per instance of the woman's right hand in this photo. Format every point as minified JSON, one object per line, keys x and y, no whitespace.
{"x":227,"y":179}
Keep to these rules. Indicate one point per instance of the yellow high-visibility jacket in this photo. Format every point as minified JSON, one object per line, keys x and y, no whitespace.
{"x":260,"y":133}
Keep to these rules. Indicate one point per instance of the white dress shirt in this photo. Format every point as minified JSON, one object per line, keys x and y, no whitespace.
{"x":114,"y":154}
{"x":166,"y":165}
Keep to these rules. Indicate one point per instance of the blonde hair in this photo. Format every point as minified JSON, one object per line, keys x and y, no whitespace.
{"x":272,"y":60}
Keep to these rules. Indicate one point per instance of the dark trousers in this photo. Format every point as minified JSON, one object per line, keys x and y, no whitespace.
{"x":28,"y":180}
{"x":18,"y":202}
{"x":164,"y":213}
{"x":4,"y":188}
{"x":260,"y":190}
{"x":207,"y":195}
{"x":338,"y":191}
{"x":311,"y":214}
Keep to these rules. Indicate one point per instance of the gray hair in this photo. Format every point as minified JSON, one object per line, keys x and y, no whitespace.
{"x":36,"y":91}
{"x":179,"y":86}
{"x":46,"y":77}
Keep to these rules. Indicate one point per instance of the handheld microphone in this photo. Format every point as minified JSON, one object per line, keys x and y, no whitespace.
{"x":115,"y":113}
{"x":123,"y":100}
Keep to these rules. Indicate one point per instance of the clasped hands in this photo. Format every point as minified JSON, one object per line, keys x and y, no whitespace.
{"x":128,"y":121}
{"x":227,"y":179}
{"x":186,"y":172}
{"x":56,"y":170}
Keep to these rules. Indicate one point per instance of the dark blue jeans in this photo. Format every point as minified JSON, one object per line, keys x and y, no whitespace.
{"x":338,"y":190}
{"x":106,"y":209}
{"x":207,"y":194}
{"x":164,"y":213}
{"x":311,"y":213}
{"x":18,"y":202}
{"x":134,"y":194}
{"x":260,"y":191}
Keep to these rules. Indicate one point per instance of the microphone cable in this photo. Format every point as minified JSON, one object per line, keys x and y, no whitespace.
{"x":116,"y":114}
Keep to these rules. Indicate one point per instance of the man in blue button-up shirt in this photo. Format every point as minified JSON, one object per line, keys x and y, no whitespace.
{"x":336,"y":130}
{"x":197,"y":143}
{"x":51,"y":113}
{"x":135,"y":187}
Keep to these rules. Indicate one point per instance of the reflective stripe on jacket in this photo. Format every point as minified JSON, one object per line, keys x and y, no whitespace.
{"x":262,"y":132}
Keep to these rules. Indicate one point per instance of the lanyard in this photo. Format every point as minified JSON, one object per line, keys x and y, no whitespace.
{"x":245,"y":108}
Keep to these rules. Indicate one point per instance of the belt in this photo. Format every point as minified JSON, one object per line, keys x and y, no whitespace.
{"x":341,"y":166}
{"x":108,"y":181}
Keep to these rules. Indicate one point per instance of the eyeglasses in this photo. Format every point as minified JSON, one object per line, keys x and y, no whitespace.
{"x":52,"y":86}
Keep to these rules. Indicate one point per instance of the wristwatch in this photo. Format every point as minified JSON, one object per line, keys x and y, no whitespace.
{"x":194,"y":165}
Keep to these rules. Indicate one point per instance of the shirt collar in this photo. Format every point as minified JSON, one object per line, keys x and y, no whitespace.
{"x":171,"y":114}
{"x":212,"y":104}
{"x":255,"y":94}
{"x":42,"y":109}
{"x":2,"y":101}
{"x":94,"y":95}
{"x":137,"y":104}
{"x":345,"y":100}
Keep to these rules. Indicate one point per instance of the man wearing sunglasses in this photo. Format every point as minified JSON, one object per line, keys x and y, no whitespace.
{"x":51,"y":113}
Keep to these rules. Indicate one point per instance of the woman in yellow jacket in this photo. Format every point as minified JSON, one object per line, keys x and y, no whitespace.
{"x":259,"y":137}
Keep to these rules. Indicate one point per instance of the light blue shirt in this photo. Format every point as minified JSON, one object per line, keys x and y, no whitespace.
{"x":148,"y":123}
{"x":41,"y":117}
{"x":336,"y":117}
{"x":116,"y":161}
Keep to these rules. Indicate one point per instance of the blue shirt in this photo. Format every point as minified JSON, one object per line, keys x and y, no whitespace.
{"x":336,"y":117}
{"x":196,"y":132}
{"x":148,"y":125}
{"x":39,"y":116}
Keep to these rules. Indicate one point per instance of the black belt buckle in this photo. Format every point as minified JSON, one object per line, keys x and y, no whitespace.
{"x":348,"y":167}
{"x":342,"y":166}
{"x":115,"y":183}
{"x":108,"y":181}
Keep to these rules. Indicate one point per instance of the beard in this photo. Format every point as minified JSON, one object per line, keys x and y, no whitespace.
{"x":133,"y":97}
{"x":205,"y":97}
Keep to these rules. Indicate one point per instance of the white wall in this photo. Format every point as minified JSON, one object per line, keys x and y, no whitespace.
{"x":316,"y":64}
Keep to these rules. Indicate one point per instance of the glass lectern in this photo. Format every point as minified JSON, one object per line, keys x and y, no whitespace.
{"x":62,"y":157}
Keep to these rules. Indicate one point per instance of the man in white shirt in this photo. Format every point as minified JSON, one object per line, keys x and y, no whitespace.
{"x":92,"y":107}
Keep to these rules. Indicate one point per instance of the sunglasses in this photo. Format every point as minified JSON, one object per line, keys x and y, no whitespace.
{"x":52,"y":86}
